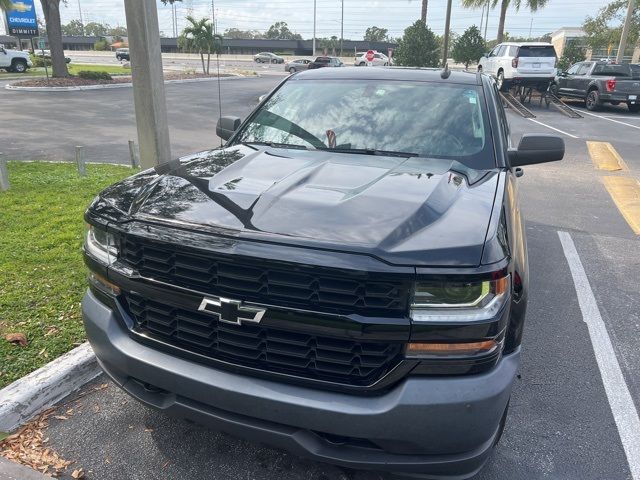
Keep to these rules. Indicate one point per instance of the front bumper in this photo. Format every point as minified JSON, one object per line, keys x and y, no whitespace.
{"x":443,"y":427}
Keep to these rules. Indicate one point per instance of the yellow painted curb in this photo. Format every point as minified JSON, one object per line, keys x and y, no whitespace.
{"x":625,"y":192}
{"x":605,"y":157}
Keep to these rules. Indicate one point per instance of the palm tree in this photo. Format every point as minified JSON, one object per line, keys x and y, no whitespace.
{"x":199,"y":37}
{"x":532,"y":5}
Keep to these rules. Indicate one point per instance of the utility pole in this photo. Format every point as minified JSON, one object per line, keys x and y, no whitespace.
{"x":81,"y":21}
{"x":530,"y":27}
{"x":314,"y":29}
{"x":625,"y":31}
{"x":342,"y":29}
{"x":148,"y":82}
{"x":447,"y":25}
{"x":486,"y":22}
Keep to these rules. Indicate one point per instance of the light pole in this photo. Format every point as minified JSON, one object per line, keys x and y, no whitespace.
{"x":81,"y":21}
{"x":342,"y":29}
{"x":447,"y":24}
{"x":314,"y":28}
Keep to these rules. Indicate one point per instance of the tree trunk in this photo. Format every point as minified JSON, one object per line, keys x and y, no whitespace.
{"x":423,"y":16}
{"x":202,"y":60}
{"x":503,"y":14}
{"x":51,"y":10}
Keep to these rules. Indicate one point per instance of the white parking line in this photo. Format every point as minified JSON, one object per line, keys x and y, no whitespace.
{"x":611,"y":120}
{"x":553,"y":128}
{"x":620,"y":400}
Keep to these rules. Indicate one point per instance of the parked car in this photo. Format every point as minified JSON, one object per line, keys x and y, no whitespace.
{"x":530,"y":64}
{"x":250,"y":288}
{"x":599,"y":83}
{"x":14,"y":60}
{"x":47,"y":54}
{"x":379,"y":59}
{"x":123,"y":54}
{"x":267,"y":57}
{"x":321,"y":62}
{"x":297,"y":65}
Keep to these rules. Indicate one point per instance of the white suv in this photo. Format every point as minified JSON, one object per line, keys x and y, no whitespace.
{"x":528,"y":64}
{"x":14,"y":60}
{"x":360,"y":59}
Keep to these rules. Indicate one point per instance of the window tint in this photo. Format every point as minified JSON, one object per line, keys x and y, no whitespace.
{"x":377,"y":55}
{"x":501,"y":51}
{"x":635,"y":70}
{"x":378,"y":114}
{"x":612,"y":70}
{"x":494,"y":52}
{"x":537,"y":51}
{"x":584,"y":69}
{"x":574,"y":69}
{"x":513,"y":51}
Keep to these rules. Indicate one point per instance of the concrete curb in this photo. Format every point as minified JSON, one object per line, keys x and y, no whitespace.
{"x":29,"y":395}
{"x":14,"y":471}
{"x":112,"y":85}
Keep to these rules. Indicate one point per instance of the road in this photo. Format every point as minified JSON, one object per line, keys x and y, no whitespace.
{"x":565,"y":421}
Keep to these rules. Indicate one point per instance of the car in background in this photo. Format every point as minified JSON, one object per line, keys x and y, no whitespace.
{"x":321,"y":62}
{"x":47,"y":54}
{"x":14,"y":60}
{"x":267,"y":57}
{"x":379,"y":59}
{"x":598,"y":83}
{"x":123,"y":54}
{"x":530,"y":64}
{"x":297,"y":65}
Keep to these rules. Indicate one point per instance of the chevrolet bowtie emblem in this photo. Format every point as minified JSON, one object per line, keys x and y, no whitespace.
{"x":231,"y":311}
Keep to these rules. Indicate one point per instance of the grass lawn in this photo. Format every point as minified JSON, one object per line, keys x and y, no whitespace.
{"x":32,"y":72}
{"x":74,"y":68}
{"x":42,"y":275}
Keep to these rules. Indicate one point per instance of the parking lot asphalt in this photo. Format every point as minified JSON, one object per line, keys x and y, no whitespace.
{"x":564,"y":422}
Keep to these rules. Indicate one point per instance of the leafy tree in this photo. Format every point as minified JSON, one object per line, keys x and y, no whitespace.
{"x":600,"y":33}
{"x":199,"y":37}
{"x":280,"y":31}
{"x":574,"y":51}
{"x":331,"y":44}
{"x":376,"y":34}
{"x":469,"y":47}
{"x":117,"y":31}
{"x":237,"y":33}
{"x":418,"y":47}
{"x":5,"y":4}
{"x":532,"y":5}
{"x":101,"y":45}
{"x":51,"y":9}
{"x":94,"y":29}
{"x":74,"y":27}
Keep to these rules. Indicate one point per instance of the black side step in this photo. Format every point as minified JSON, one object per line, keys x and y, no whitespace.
{"x":560,"y":105}
{"x":515,"y":104}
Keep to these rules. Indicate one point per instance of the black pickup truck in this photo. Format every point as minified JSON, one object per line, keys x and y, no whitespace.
{"x":598,"y":83}
{"x":346,"y":279}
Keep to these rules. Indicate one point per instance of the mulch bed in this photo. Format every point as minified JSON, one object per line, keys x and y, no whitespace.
{"x":76,"y":81}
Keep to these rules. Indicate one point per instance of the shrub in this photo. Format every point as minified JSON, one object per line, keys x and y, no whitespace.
{"x":39,"y":61}
{"x":101,"y":45}
{"x":418,"y":47}
{"x":89,"y":75}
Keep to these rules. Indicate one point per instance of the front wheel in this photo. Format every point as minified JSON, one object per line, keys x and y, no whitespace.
{"x":479,"y":68}
{"x":292,"y":70}
{"x":20,"y":67}
{"x":553,"y":89}
{"x":633,"y":107}
{"x":592,"y":101}
{"x":119,"y":58}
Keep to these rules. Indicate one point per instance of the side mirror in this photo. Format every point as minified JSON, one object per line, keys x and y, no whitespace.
{"x":227,"y":126}
{"x":485,"y":55}
{"x":534,"y":149}
{"x":562,"y":74}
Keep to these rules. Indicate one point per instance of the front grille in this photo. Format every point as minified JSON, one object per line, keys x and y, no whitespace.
{"x":270,"y":349}
{"x":266,"y":282}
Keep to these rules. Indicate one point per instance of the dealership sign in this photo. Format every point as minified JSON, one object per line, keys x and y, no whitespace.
{"x":21,"y":18}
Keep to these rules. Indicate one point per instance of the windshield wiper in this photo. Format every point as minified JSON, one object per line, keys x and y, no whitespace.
{"x":371,"y":151}
{"x":276,"y":145}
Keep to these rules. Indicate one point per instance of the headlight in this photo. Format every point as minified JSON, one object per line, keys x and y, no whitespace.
{"x":100,"y":245}
{"x":459,"y":301}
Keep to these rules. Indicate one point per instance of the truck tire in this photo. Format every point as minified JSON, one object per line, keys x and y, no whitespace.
{"x":19,"y":66}
{"x":633,"y":107}
{"x":592,"y":101}
{"x":503,"y":85}
{"x":119,"y":58}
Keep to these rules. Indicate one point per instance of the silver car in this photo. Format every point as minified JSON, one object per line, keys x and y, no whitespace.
{"x":297,"y":65}
{"x":267,"y":57}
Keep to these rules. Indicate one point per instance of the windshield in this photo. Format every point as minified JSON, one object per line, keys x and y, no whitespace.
{"x":417,"y":118}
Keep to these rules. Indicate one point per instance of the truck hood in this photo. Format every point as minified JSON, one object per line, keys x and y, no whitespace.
{"x":17,"y":54}
{"x":405,"y":211}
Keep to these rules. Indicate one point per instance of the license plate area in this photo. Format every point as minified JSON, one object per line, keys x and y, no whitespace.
{"x":536,"y":65}
{"x":633,"y":97}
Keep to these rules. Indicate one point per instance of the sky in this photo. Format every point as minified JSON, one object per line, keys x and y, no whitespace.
{"x":395,"y":15}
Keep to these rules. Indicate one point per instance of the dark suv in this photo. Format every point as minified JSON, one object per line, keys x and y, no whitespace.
{"x":346,"y":279}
